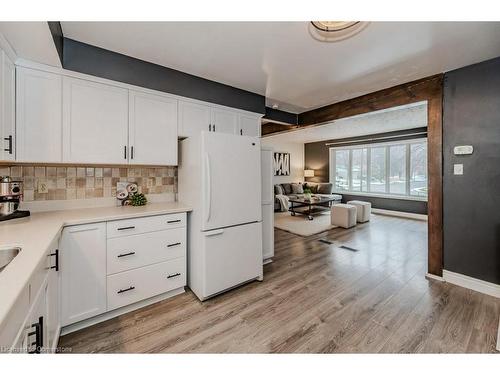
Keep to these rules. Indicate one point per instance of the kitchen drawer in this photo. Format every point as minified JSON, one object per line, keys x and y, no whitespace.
{"x":120,"y":228}
{"x":126,"y":253}
{"x":135,"y":285}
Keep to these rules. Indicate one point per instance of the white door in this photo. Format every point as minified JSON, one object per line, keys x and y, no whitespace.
{"x":267,"y":163}
{"x":83,"y":272}
{"x":232,"y":255}
{"x":193,"y":119}
{"x":267,"y":231}
{"x":250,"y":125}
{"x":231,"y":177}
{"x":38,"y":116}
{"x":224,"y":121}
{"x":95,"y":122}
{"x":152,"y":129}
{"x":7,"y":108}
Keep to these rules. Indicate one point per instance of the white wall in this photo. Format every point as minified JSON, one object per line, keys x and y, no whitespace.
{"x":296,"y":151}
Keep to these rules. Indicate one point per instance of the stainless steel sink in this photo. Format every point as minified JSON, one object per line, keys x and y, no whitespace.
{"x":7,"y":254}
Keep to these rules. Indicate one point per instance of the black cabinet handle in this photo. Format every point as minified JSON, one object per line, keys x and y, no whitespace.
{"x":174,"y":221}
{"x":9,"y":149}
{"x":214,"y":127}
{"x":125,"y":228}
{"x":131,"y":152}
{"x":38,"y":336}
{"x":125,"y":152}
{"x":209,"y":127}
{"x":241,"y":131}
{"x":174,"y":275}
{"x":126,"y":254}
{"x":126,"y":290}
{"x":55,"y":254}
{"x":174,"y":244}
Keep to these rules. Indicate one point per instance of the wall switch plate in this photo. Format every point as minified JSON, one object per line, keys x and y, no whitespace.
{"x":458,"y":169}
{"x":463,"y":150}
{"x":42,"y":187}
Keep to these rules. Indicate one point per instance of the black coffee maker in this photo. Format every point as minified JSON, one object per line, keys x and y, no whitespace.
{"x":11,"y":195}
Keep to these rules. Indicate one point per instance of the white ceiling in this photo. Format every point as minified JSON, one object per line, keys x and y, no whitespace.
{"x":283,"y":62}
{"x":387,"y":120}
{"x":31,"y":41}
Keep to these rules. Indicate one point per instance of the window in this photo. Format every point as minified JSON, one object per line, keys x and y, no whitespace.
{"x":390,"y":169}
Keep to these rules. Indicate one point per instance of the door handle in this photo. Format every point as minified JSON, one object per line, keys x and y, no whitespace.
{"x":125,"y":152}
{"x":132,"y":152}
{"x":241,"y":131}
{"x":55,"y":254}
{"x":214,"y":127}
{"x":208,"y":187}
{"x":9,"y":149}
{"x":214,"y":232}
{"x":209,"y":127}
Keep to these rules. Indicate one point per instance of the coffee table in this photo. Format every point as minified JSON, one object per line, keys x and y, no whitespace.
{"x":315,"y":204}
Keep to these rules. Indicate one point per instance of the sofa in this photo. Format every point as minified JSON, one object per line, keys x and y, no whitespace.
{"x":297,"y":190}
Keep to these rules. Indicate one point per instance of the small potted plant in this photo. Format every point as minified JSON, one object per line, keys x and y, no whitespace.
{"x":307,"y":194}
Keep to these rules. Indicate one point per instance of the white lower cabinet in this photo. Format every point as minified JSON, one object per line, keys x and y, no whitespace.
{"x":105,"y":266}
{"x":83,"y":272}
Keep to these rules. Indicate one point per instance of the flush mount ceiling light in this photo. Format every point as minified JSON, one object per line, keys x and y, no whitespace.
{"x":334,"y":31}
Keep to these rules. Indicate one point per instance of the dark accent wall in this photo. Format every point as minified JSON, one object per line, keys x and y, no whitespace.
{"x":472,"y":201}
{"x":281,"y":116}
{"x":57,"y":35}
{"x":316,"y":156}
{"x":99,"y":62}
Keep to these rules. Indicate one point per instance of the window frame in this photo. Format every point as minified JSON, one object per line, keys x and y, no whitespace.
{"x":369,"y":146}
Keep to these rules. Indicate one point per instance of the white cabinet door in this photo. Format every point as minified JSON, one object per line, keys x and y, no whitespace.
{"x":38,"y":116}
{"x":95,"y":122}
{"x":35,"y":328}
{"x":249,"y":125}
{"x":266,"y":167}
{"x":267,"y":231}
{"x":224,"y":121}
{"x":83,"y":272}
{"x":152,"y":129}
{"x":193,"y":118}
{"x":7,"y":108}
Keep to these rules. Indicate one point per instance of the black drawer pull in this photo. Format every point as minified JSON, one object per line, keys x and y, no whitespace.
{"x":55,"y":254}
{"x":174,"y":244}
{"x":173,"y":221}
{"x":125,"y":255}
{"x":9,"y":149}
{"x":126,"y":290}
{"x":174,"y":275}
{"x":125,"y":228}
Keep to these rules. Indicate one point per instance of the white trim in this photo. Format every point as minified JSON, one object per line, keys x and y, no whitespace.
{"x":387,"y":196}
{"x":472,"y":283}
{"x":68,"y":73}
{"x":407,"y":215}
{"x":7,"y":48}
{"x":120,"y":311}
{"x":434,"y":277}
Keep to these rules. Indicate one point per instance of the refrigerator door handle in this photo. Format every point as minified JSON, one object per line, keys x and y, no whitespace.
{"x":214,"y":232}
{"x":209,"y":187}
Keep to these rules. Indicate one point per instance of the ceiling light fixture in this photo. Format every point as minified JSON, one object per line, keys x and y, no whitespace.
{"x":334,"y":31}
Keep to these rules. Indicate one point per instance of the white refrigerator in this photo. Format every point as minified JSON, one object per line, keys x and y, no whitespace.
{"x":219,"y":176}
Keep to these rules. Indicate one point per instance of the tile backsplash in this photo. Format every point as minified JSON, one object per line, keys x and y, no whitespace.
{"x":83,"y":182}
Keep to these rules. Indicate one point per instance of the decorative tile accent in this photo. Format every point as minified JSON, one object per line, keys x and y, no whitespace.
{"x":65,"y":183}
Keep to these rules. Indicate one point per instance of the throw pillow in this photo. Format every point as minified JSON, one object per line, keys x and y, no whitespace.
{"x":312,"y":186}
{"x":325,"y":188}
{"x":287,"y":188}
{"x":278,"y":190}
{"x":297,"y":189}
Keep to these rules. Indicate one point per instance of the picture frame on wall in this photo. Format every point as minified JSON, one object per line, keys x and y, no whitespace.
{"x":282,"y":164}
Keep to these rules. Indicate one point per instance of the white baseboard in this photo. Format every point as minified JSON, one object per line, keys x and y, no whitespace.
{"x":120,"y":311}
{"x":468,"y":282}
{"x":408,"y":215}
{"x":434,"y":277}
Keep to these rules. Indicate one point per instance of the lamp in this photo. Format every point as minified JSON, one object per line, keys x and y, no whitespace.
{"x":308,"y":172}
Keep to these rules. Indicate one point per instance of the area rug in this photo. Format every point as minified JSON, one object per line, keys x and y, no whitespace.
{"x":301,"y":225}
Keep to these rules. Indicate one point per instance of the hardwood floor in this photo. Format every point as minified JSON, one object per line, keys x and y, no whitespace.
{"x":317,"y":298}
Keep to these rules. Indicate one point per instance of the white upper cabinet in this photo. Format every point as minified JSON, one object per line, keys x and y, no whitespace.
{"x":7,"y":108}
{"x":95,"y":122}
{"x":193,"y":118}
{"x":250,"y":125}
{"x":38,"y":116}
{"x":152,"y":129}
{"x":224,"y":121}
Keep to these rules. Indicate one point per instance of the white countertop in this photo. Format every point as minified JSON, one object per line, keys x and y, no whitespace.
{"x":34,"y":234}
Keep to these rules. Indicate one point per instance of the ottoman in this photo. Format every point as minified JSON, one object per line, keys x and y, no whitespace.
{"x":363,"y":209}
{"x":343,"y":215}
